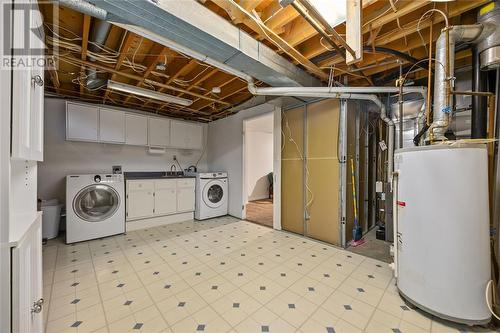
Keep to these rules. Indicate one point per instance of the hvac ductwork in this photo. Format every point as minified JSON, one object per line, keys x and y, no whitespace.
{"x":98,"y":35}
{"x":487,"y":36}
{"x":444,"y":62}
{"x":85,"y":7}
{"x":489,"y":47}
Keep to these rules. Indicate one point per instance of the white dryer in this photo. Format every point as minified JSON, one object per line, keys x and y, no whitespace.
{"x":211,"y":195}
{"x":94,"y":206}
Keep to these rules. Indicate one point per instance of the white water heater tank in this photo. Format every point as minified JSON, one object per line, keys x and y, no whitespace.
{"x":443,"y":258}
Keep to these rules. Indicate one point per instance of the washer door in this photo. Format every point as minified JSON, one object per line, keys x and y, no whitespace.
{"x":96,"y":203}
{"x":213,"y":193}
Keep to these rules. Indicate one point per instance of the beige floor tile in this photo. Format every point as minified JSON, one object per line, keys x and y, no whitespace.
{"x":68,"y":304}
{"x":117,"y":287}
{"x":222,"y":275}
{"x":184,"y":304}
{"x":148,"y":320}
{"x":87,"y":320}
{"x":126,"y":304}
{"x":236,"y":307}
{"x":167,"y":287}
{"x":262,"y":289}
{"x":347,"y":308}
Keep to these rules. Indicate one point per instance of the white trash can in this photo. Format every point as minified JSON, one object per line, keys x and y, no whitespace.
{"x":51,"y":217}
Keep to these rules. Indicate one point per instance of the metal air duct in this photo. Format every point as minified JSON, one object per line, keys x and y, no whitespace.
{"x":489,"y":47}
{"x":98,"y":35}
{"x":443,"y":81}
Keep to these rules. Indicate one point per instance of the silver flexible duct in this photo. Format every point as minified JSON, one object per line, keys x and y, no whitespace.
{"x":442,"y":107}
{"x":98,"y":35}
{"x":84,"y":7}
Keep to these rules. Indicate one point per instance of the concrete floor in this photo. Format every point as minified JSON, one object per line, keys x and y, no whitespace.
{"x":373,"y":247}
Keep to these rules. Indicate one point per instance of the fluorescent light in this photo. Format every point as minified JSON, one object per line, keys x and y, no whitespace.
{"x":126,"y":88}
{"x":333,"y":11}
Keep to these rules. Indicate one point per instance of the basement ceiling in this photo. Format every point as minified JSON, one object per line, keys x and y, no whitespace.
{"x":135,"y":60}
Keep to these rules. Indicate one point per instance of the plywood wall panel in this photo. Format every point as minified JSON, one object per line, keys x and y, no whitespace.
{"x":323,"y":167}
{"x":292,"y":171}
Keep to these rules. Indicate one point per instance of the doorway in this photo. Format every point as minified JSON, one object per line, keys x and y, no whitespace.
{"x":258,"y":177}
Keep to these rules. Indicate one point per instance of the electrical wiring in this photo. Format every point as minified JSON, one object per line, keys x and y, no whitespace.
{"x":428,"y":15}
{"x":263,"y":28}
{"x":134,"y":55}
{"x":292,"y":140}
{"x":382,"y":14}
{"x":487,"y":291}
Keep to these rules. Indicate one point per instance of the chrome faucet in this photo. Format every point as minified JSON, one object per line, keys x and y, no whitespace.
{"x":173,"y":167}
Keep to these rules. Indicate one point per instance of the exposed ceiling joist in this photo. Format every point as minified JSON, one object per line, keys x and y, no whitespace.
{"x":234,"y":10}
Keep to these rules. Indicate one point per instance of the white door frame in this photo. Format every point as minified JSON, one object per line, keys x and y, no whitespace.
{"x":276,"y":166}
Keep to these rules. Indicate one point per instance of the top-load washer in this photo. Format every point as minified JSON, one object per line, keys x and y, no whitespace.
{"x":211,"y":195}
{"x":94,"y":206}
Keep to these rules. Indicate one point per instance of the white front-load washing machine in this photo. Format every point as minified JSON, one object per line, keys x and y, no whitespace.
{"x":211,"y":195}
{"x":94,"y":206}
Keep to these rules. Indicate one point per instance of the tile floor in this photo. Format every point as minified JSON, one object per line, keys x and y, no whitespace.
{"x":221,"y":275}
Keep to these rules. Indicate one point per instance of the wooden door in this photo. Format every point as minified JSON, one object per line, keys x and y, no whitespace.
{"x":323,"y":171}
{"x":292,"y":170}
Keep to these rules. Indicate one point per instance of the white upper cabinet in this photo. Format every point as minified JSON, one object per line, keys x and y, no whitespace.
{"x":86,"y":122}
{"x":27,"y":92}
{"x":111,"y":126}
{"x":82,"y":122}
{"x":159,"y":132}
{"x":136,"y":130}
{"x":186,"y":135}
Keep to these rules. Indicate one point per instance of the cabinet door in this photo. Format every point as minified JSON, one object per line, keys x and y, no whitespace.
{"x":111,"y":126}
{"x":140,"y":199}
{"x":185,"y":195}
{"x":82,"y":122}
{"x":186,"y":135}
{"x":136,"y":130}
{"x":158,"y":132}
{"x":27,"y":282}
{"x":165,"y":197}
{"x":37,"y":91}
{"x":21,"y":91}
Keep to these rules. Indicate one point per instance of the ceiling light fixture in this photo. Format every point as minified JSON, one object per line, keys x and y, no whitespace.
{"x":126,"y":88}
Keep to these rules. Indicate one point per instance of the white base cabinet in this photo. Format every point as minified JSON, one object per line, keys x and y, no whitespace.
{"x":26,"y":280}
{"x":159,"y":197}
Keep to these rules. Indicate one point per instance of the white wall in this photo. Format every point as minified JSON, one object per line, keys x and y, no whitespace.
{"x":258,"y":156}
{"x":225,"y":152}
{"x":63,"y":157}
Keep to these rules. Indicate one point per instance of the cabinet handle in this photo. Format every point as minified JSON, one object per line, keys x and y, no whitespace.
{"x":37,"y":80}
{"x":37,"y":306}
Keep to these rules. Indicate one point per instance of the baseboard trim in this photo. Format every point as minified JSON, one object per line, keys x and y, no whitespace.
{"x":158,"y":221}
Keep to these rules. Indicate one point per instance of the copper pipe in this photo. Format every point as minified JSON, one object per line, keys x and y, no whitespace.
{"x":429,"y":80}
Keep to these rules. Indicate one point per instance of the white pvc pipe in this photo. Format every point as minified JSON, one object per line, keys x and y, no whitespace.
{"x":359,"y":93}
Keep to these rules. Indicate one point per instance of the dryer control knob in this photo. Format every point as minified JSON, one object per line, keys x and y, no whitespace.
{"x":97,"y":178}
